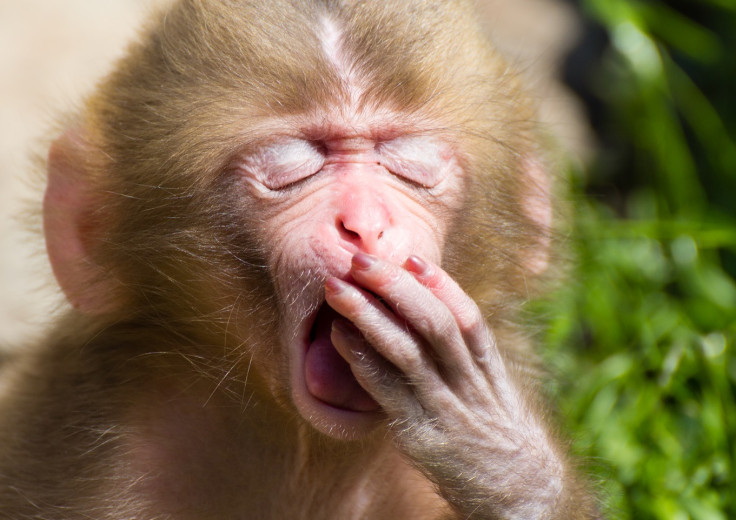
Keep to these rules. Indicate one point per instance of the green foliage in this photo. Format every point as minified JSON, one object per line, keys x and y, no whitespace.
{"x":646,"y":336}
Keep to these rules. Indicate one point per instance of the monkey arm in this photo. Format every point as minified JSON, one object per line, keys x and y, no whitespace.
{"x":420,"y":346}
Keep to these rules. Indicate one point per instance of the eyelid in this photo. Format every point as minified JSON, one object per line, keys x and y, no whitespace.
{"x":418,"y":159}
{"x":281,"y":164}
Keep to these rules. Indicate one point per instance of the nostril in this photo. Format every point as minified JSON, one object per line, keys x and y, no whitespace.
{"x":349,"y":233}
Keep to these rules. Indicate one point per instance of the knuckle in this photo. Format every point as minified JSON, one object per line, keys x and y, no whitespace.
{"x":407,"y":360}
{"x":443,"y":328}
{"x":439,"y":280}
{"x":400,"y":351}
{"x":470,"y":320}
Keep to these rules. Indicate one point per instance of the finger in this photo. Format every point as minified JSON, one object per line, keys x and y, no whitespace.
{"x":467,"y":315}
{"x":427,"y":314}
{"x":383,"y":330}
{"x":382,"y":380}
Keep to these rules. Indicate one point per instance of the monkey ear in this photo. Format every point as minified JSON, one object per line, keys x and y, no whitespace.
{"x":69,"y":230}
{"x":537,"y":204}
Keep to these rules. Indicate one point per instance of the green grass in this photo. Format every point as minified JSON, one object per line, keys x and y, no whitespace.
{"x":642,"y":336}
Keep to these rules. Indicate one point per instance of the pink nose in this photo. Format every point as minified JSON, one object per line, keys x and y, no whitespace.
{"x":367,"y":237}
{"x":363,"y":221}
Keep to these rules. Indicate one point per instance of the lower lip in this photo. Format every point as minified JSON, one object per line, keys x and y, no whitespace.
{"x":333,"y":421}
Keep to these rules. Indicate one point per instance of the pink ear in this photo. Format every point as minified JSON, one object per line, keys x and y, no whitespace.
{"x":538,"y":208}
{"x":67,"y":206}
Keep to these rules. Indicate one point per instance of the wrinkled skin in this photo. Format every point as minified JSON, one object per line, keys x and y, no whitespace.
{"x":330,"y":200}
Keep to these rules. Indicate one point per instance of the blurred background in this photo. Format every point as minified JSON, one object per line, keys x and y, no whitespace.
{"x":639,"y":340}
{"x":642,"y":339}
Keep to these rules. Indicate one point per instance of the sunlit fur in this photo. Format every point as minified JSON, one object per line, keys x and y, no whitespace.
{"x":185,"y":351}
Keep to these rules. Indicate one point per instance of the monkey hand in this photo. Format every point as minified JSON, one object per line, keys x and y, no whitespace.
{"x":420,"y":346}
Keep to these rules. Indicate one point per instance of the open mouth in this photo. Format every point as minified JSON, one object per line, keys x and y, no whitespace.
{"x":327,"y":375}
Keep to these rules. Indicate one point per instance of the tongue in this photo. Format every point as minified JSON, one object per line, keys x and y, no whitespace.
{"x":327,"y":374}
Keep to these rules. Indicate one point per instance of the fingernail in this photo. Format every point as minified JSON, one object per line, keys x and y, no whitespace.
{"x":335,"y":286}
{"x":363,"y":261}
{"x":416,"y":265}
{"x":352,"y":335}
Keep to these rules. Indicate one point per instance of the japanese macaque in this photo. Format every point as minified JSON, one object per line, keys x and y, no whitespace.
{"x":295,"y":235}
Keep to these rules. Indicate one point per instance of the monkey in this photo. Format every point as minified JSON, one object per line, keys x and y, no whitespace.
{"x":295,"y":236}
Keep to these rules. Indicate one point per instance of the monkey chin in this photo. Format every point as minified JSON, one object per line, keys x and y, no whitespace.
{"x":324,"y":390}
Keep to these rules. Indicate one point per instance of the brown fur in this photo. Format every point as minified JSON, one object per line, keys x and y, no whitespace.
{"x":162,"y":405}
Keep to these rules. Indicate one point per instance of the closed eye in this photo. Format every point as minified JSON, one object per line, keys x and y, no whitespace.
{"x":417,"y":159}
{"x":283,"y":163}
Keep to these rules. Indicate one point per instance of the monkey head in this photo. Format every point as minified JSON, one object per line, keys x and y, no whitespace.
{"x":229,"y":165}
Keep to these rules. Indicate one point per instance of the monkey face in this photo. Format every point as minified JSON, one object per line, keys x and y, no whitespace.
{"x":331,"y":193}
